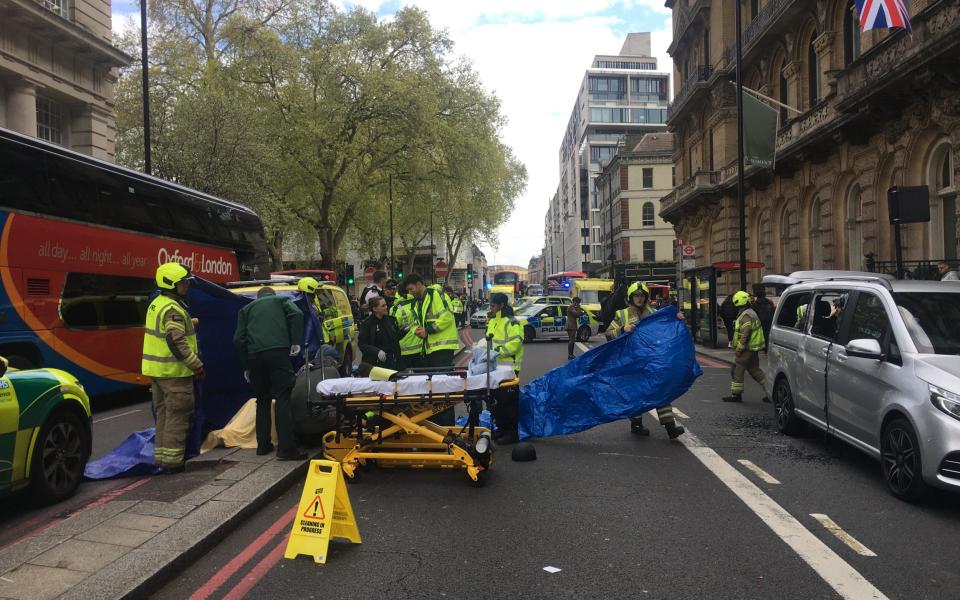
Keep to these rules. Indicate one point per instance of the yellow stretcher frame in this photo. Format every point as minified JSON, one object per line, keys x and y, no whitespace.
{"x":411,"y":440}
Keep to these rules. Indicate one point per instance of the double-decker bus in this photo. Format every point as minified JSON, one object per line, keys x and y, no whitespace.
{"x":80,"y":241}
{"x":561,"y":283}
{"x":510,"y":278}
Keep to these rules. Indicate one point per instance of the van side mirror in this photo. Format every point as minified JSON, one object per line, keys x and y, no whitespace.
{"x":865,"y":348}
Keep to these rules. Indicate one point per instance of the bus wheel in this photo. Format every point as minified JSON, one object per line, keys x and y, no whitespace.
{"x":583,"y":334}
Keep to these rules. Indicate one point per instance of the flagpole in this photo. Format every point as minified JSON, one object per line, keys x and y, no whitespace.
{"x":740,"y":201}
{"x":754,"y":92}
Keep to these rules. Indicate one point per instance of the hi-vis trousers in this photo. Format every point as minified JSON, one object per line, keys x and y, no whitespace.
{"x":173,"y":405}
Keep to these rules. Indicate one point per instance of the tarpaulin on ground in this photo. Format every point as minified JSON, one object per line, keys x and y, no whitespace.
{"x":224,"y":391}
{"x":649,"y":368}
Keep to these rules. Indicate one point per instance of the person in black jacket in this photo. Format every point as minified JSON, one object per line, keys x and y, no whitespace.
{"x":380,"y":336}
{"x":764,"y":309}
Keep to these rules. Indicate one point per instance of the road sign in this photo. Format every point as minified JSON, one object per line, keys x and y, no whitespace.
{"x":687,"y":263}
{"x":311,"y":532}
{"x":368,"y":273}
{"x":441,"y":269}
{"x":687,"y":250}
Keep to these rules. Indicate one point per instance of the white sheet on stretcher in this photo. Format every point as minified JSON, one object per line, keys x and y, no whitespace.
{"x":413,"y":385}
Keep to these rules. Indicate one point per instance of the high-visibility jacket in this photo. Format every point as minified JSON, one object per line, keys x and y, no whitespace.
{"x":158,"y":359}
{"x":403,"y":311}
{"x":456,"y":305}
{"x":748,"y":324}
{"x":627,"y":316}
{"x":433,"y":314}
{"x":507,"y":335}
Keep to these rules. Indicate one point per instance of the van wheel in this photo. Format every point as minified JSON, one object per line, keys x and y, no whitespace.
{"x":583,"y":334}
{"x":529,"y":334}
{"x":787,"y":420}
{"x":59,"y":457}
{"x":900,"y":461}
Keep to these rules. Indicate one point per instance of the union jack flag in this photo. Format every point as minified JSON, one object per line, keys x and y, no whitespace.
{"x":883,"y":14}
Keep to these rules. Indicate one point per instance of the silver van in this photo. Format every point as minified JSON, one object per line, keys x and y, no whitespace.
{"x":875,"y":362}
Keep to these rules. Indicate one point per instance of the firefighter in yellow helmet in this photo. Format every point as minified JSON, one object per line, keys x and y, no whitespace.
{"x":170,"y":360}
{"x":309,"y":285}
{"x":748,"y":341}
{"x":624,"y":322}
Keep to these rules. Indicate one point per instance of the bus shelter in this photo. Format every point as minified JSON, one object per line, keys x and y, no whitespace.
{"x":698,"y":294}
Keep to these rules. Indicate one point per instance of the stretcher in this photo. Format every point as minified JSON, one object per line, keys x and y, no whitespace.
{"x":388,"y":423}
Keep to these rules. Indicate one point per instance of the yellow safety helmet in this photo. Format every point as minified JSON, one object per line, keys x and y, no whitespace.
{"x":308,"y":285}
{"x":170,"y":274}
{"x":741,"y":298}
{"x":637,"y":286}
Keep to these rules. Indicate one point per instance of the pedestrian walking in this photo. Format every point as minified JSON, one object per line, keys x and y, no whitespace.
{"x":269,"y":332}
{"x":574,"y":312}
{"x":505,"y":333}
{"x":380,"y":337}
{"x":748,"y":342}
{"x":170,"y":360}
{"x":728,"y":314}
{"x":946,"y":273}
{"x":624,"y":322}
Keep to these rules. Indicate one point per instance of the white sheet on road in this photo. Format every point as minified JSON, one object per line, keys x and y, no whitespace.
{"x":414,"y":385}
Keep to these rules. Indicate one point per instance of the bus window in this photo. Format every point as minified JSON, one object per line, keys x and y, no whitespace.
{"x":22,"y":179}
{"x":104,"y":301}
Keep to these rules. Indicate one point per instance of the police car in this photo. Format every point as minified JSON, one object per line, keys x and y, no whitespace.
{"x":45,"y":432}
{"x":544,"y":322}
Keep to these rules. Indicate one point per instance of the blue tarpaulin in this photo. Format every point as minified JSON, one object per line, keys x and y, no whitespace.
{"x":223,"y":391}
{"x":649,"y":368}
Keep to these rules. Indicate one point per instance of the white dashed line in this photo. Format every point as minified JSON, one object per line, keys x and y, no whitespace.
{"x":759,"y":472}
{"x":583,"y":347}
{"x":129,"y":412}
{"x":842,"y":535}
{"x":680,"y":413}
{"x":835,"y":571}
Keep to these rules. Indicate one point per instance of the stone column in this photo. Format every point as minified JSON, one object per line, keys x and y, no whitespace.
{"x":22,"y":107}
{"x":91,"y":132}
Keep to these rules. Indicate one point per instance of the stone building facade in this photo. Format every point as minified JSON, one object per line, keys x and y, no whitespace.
{"x":876,"y":110}
{"x":58,"y":69}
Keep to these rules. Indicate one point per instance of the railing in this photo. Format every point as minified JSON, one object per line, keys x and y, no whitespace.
{"x":53,"y":6}
{"x":809,"y":121}
{"x":755,"y":30}
{"x":686,"y":16}
{"x":700,"y":75}
{"x":923,"y":270}
{"x":700,"y":180}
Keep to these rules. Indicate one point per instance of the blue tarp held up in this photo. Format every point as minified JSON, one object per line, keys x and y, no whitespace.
{"x":224,"y":389}
{"x":649,"y":368}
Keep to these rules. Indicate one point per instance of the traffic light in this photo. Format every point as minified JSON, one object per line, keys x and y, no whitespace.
{"x":469,"y":271}
{"x":399,"y":275}
{"x":341,"y":278}
{"x":350,"y":274}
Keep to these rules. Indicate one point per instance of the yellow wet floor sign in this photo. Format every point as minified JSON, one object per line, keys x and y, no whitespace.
{"x":325,"y":512}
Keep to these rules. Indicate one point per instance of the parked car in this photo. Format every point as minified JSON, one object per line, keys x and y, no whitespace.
{"x":541,"y":321}
{"x":479,"y":317}
{"x":876,"y":363}
{"x":45,"y":422}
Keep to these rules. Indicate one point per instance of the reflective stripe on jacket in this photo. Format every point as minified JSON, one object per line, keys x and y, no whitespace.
{"x":403,"y":312}
{"x":626,"y":316}
{"x":507,"y":333}
{"x":158,"y":358}
{"x":749,"y":324}
{"x":435,"y":317}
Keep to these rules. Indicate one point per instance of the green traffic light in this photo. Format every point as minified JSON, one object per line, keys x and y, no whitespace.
{"x":350,"y":281}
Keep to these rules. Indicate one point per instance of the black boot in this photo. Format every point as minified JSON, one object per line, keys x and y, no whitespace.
{"x":637,"y":428}
{"x":766,"y":399}
{"x":674,"y":430}
{"x":733,"y":398}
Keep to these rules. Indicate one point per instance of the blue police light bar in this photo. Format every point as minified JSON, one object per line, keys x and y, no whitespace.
{"x":489,"y":285}
{"x":566,"y":284}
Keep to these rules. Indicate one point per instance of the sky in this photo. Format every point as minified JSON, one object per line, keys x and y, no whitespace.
{"x":532,"y":54}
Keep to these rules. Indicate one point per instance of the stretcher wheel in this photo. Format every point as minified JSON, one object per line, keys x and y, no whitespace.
{"x":481,"y":481}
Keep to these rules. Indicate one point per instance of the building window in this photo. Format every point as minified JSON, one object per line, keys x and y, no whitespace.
{"x":673,"y":177}
{"x":816,"y":234}
{"x":647,"y":214}
{"x":649,"y":251}
{"x":706,"y":45}
{"x":648,"y":115}
{"x":644,"y":89}
{"x":55,"y":6}
{"x":855,"y":228}
{"x":617,"y":64}
{"x":851,"y":34}
{"x":754,"y":9}
{"x":49,"y":120}
{"x":607,"y":88}
{"x":647,"y":177}
{"x":813,"y":71}
{"x":787,"y":261}
{"x":784,"y":98}
{"x":710,"y":148}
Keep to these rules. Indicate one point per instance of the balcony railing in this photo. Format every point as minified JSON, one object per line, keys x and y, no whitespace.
{"x":755,"y":30}
{"x":700,"y":75}
{"x":701,"y":181}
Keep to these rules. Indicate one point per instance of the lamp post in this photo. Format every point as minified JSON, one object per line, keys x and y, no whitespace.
{"x":145,"y":71}
{"x":433,"y":268}
{"x":393,"y":264}
{"x":740,"y":201}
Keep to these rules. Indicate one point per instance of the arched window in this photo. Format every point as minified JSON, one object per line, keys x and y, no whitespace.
{"x":787,"y":262}
{"x":851,"y":34}
{"x":706,"y":45}
{"x":765,"y":241}
{"x":816,"y":234}
{"x":813,"y":71}
{"x":784,"y":97}
{"x":647,"y":215}
{"x":943,"y":203}
{"x":854,"y":221}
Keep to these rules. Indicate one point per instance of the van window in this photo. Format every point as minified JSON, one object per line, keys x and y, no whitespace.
{"x":793,"y":309}
{"x":827,"y":314}
{"x":869,"y":321}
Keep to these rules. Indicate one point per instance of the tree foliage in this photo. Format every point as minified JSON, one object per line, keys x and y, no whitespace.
{"x":303,"y":112}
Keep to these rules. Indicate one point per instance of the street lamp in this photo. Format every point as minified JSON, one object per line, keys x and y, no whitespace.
{"x":145,"y":72}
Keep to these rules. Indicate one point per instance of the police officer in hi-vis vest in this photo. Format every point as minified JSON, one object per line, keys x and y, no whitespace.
{"x":170,"y":360}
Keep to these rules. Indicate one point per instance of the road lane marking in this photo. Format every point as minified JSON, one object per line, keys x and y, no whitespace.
{"x":759,"y":472}
{"x":583,"y":347}
{"x":836,"y":572}
{"x":842,"y":535}
{"x":633,"y":455}
{"x":129,"y":412}
{"x":551,"y":570}
{"x":709,"y":362}
{"x":680,"y":413}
